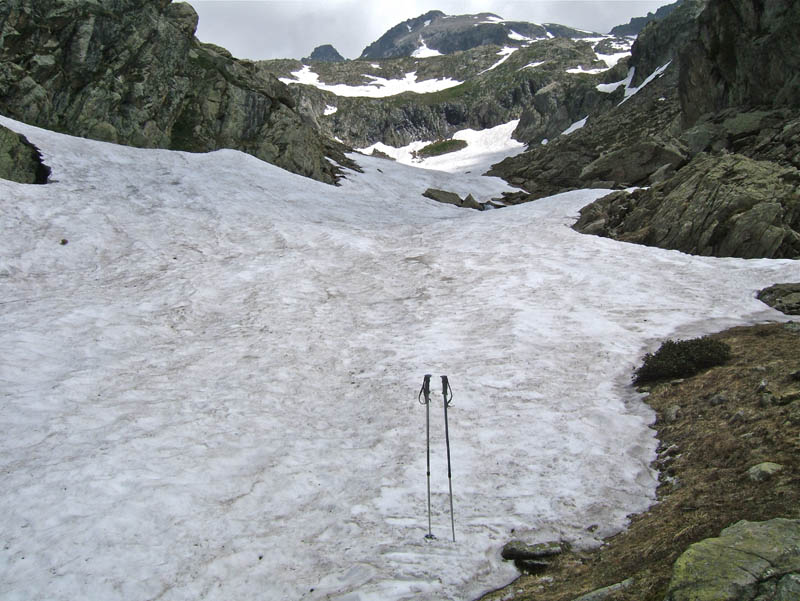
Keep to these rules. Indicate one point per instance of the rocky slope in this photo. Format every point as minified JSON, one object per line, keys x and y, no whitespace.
{"x":726,"y":90}
{"x":549,"y":84}
{"x":132,"y":72}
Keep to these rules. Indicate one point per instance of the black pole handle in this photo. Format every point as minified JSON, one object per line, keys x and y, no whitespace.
{"x":446,"y":389}
{"x":425,"y":390}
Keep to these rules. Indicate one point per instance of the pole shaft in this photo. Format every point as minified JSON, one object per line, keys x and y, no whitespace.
{"x":428,"y":437}
{"x":445,"y":388}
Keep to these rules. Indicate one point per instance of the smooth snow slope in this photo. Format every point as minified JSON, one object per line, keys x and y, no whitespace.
{"x":210,"y":392}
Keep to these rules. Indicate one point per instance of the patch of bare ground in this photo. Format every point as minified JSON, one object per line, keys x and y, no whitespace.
{"x":713,"y":427}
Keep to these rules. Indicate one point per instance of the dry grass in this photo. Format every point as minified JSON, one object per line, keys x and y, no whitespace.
{"x":728,"y":419}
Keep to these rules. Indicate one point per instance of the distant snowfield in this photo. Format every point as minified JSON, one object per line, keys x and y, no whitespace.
{"x":484,"y":148}
{"x":378,"y":88}
{"x":210,"y":391}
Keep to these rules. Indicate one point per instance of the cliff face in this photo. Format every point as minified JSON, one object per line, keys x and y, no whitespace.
{"x":132,"y":72}
{"x":745,"y":55}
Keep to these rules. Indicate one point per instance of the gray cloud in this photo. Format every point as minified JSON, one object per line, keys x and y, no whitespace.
{"x":260,"y":29}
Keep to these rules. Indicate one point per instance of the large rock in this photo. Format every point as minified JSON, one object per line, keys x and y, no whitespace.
{"x":20,"y":161}
{"x":451,"y":198}
{"x":725,"y":206}
{"x":132,"y":72}
{"x":783,"y":297}
{"x":748,"y":561}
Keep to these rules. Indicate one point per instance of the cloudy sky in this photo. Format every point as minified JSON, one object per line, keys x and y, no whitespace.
{"x":261,"y":29}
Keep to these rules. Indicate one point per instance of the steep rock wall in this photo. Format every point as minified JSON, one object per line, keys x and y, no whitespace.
{"x":132,"y":72}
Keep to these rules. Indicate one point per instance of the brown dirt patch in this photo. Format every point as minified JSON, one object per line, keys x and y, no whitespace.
{"x":713,"y":427}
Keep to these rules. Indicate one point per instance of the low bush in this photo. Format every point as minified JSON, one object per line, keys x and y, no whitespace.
{"x":441,"y":147}
{"x":682,"y":358}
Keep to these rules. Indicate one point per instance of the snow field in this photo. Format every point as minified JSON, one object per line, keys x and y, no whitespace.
{"x":210,"y":392}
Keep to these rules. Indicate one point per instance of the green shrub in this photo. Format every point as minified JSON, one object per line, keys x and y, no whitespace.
{"x":682,"y":358}
{"x":442,"y":147}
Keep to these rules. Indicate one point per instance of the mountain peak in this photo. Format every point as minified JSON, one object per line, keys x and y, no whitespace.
{"x":326,"y":54}
{"x":446,"y":34}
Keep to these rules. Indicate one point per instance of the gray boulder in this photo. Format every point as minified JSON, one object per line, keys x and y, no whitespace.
{"x":634,"y":164}
{"x":748,"y":561}
{"x":20,"y":160}
{"x":452,"y":198}
{"x":783,"y":297}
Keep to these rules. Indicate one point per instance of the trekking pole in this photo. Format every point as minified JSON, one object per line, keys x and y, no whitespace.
{"x":426,"y":392}
{"x":447,"y":400}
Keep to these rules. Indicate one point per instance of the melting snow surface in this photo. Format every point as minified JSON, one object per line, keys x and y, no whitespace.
{"x":378,"y":88}
{"x":210,"y":392}
{"x":330,"y":110}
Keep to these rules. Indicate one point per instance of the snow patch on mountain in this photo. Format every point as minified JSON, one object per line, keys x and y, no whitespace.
{"x":484,"y":148}
{"x":378,"y":88}
{"x":505,"y":53}
{"x":575,"y":126}
{"x":424,"y":52}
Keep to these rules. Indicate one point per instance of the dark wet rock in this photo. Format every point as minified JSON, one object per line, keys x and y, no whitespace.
{"x":20,"y":161}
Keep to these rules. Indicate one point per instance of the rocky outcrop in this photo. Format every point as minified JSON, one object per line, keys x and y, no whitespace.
{"x":721,"y":154}
{"x":451,"y":198}
{"x":745,"y":55}
{"x":748,"y":561}
{"x":635,"y":164}
{"x":729,"y":206}
{"x":325,"y":54}
{"x":132,"y":72}
{"x":20,"y":161}
{"x":783,"y":297}
{"x":586,"y":158}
